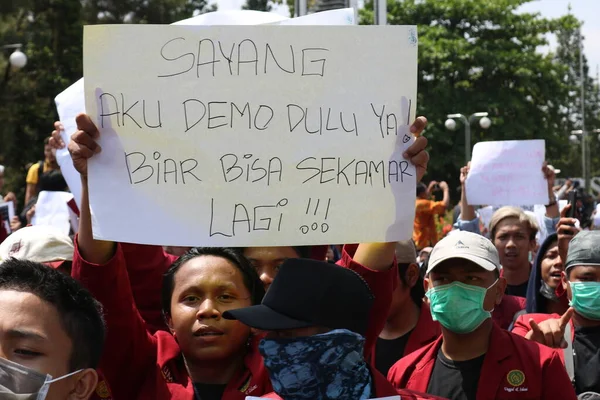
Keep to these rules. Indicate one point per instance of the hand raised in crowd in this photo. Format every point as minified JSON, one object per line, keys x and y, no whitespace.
{"x":56,"y":141}
{"x":30,"y":214}
{"x":11,"y":197}
{"x":443,"y":185}
{"x":566,"y":231}
{"x":550,"y":332}
{"x":549,"y":175}
{"x":416,"y":152}
{"x":83,"y":143}
{"x":464,"y":172}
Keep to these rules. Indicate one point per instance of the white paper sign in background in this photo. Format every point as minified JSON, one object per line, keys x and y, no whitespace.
{"x":51,"y":209}
{"x":69,"y":104}
{"x":507,"y":172}
{"x":251,"y":135}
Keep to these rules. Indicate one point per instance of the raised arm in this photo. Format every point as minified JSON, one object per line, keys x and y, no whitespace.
{"x":100,"y":266}
{"x":375,"y":262}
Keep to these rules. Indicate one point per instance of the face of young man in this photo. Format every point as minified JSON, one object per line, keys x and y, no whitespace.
{"x":469,"y":273}
{"x":512,"y":240}
{"x":31,"y":334}
{"x":204,"y":288}
{"x":267,"y":260}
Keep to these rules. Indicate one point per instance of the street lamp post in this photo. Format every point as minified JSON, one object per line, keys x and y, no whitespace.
{"x":484,"y":122}
{"x":584,"y":152}
{"x":17,"y":59}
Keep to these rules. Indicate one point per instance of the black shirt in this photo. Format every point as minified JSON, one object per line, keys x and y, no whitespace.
{"x":517,"y":290}
{"x":456,"y":380}
{"x":206,"y":391}
{"x":586,"y":347}
{"x":388,"y":352}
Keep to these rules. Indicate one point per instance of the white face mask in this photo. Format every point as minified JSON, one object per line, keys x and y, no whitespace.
{"x":21,"y":383}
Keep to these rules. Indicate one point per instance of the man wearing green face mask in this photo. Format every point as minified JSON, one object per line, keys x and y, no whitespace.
{"x":578,"y":330}
{"x":475,"y":359}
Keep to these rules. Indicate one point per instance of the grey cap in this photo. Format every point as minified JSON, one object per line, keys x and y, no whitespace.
{"x":584,"y":249}
{"x":468,"y":246}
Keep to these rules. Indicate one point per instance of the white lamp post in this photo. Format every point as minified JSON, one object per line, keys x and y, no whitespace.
{"x":484,"y":123}
{"x":17,"y":59}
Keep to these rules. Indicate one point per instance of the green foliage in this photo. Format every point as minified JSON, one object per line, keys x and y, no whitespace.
{"x":480,"y":55}
{"x":258,"y":5}
{"x":141,"y":11}
{"x":51,"y":32}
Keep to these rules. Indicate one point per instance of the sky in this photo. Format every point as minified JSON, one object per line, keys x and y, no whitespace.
{"x":586,"y":10}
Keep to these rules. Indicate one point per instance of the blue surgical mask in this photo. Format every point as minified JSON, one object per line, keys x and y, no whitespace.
{"x":319,"y":367}
{"x":458,"y":307}
{"x":18,"y":382}
{"x":586,"y":299}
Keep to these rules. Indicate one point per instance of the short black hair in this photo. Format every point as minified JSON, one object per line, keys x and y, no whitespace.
{"x":79,"y":311}
{"x":417,"y":292}
{"x":251,"y":279}
{"x":301,"y":251}
{"x":421,"y":188}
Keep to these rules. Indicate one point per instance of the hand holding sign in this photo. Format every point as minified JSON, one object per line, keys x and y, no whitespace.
{"x":551,"y":332}
{"x":83,"y":143}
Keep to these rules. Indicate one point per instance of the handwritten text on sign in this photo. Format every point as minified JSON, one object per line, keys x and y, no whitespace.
{"x":251,"y":135}
{"x":507,"y":173}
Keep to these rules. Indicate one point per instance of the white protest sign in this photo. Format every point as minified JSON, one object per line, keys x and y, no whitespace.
{"x":69,"y":104}
{"x":51,"y":209}
{"x":251,"y":135}
{"x":507,"y":172}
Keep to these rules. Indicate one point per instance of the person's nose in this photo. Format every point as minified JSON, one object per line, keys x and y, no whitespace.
{"x":208,"y":309}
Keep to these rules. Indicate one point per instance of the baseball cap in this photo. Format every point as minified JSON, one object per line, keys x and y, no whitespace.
{"x":584,"y":249}
{"x":311,"y":293}
{"x":406,"y":253}
{"x":42,"y":244}
{"x":467,"y":246}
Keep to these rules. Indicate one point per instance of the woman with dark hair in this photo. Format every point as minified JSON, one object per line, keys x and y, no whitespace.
{"x":544,"y":292}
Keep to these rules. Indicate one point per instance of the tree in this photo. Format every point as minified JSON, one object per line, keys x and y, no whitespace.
{"x":477,"y":55}
{"x":52,"y":34}
{"x":568,"y":54}
{"x":52,"y":37}
{"x":258,"y":5}
{"x":142,"y":11}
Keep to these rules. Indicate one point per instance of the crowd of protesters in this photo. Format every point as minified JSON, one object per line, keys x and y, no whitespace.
{"x":469,"y":309}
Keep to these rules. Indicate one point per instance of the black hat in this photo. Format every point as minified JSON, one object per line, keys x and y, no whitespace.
{"x":311,"y":293}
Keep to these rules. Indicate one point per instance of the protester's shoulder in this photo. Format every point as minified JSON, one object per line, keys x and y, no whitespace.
{"x":409,"y":361}
{"x":32,"y":173}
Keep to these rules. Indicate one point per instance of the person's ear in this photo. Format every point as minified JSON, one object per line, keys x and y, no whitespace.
{"x":426,"y":282}
{"x":565,"y":282}
{"x":500,"y":289}
{"x":169,"y":323}
{"x":86,"y":383}
{"x":412,"y":275}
